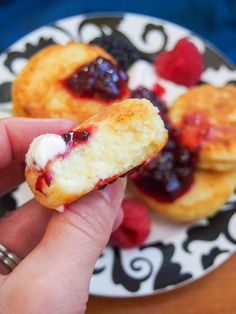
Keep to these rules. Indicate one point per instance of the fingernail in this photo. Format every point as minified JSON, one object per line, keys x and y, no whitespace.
{"x":114,"y":192}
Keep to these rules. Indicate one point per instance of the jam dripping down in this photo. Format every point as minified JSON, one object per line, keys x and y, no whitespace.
{"x":171,"y":174}
{"x":98,"y":79}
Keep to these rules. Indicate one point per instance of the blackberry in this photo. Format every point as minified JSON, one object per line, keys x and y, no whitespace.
{"x":120,"y":48}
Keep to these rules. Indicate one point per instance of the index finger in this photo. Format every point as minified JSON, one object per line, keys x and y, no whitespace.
{"x":16,"y":134}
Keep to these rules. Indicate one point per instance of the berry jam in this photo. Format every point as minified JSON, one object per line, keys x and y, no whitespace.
{"x":73,"y":138}
{"x":101,"y":79}
{"x":143,"y":92}
{"x":195,"y":129}
{"x":45,"y":177}
{"x":159,"y":90}
{"x":170,"y":175}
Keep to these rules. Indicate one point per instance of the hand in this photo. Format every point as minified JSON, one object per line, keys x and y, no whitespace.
{"x":59,"y":250}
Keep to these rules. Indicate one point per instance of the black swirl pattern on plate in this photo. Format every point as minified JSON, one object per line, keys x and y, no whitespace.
{"x":214,"y":60}
{"x":120,"y":276}
{"x":112,"y":23}
{"x":62,"y":30}
{"x":233,"y":82}
{"x":102,"y":23}
{"x":209,"y":259}
{"x":99,"y":270}
{"x":170,"y":272}
{"x":5,"y":92}
{"x":216,"y":225}
{"x":7,"y":203}
{"x":159,"y":28}
{"x":29,"y":50}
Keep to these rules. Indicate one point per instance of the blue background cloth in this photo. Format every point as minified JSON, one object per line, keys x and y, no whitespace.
{"x":213,"y":19}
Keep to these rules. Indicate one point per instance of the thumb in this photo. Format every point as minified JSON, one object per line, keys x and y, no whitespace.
{"x":74,"y":240}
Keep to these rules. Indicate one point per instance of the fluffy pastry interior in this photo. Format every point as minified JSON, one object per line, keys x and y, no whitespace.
{"x":123,"y":137}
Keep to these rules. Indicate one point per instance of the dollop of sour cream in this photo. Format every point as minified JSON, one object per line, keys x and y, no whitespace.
{"x":43,"y":149}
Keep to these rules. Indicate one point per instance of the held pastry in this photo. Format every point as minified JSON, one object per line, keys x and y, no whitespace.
{"x":207,"y":115}
{"x":75,"y":81}
{"x":60,"y":169}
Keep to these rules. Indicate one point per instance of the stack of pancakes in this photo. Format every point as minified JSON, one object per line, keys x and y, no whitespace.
{"x":215,"y":174}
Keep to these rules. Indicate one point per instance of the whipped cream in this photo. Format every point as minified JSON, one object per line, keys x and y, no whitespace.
{"x":43,"y":149}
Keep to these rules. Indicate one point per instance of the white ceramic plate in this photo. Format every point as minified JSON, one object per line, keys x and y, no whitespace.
{"x":174,"y":254}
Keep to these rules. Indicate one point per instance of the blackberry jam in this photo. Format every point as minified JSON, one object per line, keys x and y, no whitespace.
{"x":100,"y":78}
{"x":75,"y":138}
{"x":170,"y":175}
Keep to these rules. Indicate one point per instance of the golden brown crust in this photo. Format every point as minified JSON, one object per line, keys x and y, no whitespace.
{"x":38,"y":91}
{"x":126,"y":134}
{"x":218,"y":104}
{"x":54,"y":196}
{"x":210,"y":190}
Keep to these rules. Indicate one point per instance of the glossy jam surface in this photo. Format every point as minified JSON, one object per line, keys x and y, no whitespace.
{"x":170,"y":175}
{"x":195,"y":128}
{"x":100,"y":79}
{"x":74,"y":138}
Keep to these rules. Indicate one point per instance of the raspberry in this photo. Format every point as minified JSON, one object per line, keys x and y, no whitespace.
{"x":135,"y":227}
{"x":182,"y":65}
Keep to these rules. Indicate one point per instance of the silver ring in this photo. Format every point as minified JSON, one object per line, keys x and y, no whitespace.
{"x":9,"y":258}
